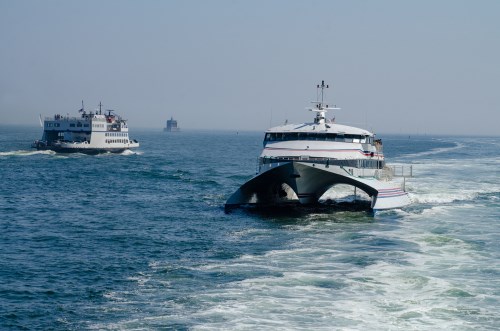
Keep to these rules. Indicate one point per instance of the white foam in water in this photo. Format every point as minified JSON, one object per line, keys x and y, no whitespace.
{"x":435,"y":151}
{"x":442,"y":197}
{"x":344,"y":193}
{"x":444,"y":181}
{"x":442,"y":191}
{"x":26,"y":153}
{"x":421,"y":291}
{"x":126,"y":152}
{"x":130,"y":152}
{"x":371,"y":298}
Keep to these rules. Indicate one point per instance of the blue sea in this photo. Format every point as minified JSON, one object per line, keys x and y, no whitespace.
{"x":140,"y":241}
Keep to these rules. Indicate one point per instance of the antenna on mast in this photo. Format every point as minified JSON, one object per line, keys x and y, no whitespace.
{"x":82,"y":110}
{"x":321,"y":109}
{"x":322,"y":87}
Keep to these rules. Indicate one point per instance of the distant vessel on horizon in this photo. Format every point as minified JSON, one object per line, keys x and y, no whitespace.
{"x":171,"y":126}
{"x":91,"y":133}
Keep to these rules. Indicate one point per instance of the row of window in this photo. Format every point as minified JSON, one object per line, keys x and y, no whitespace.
{"x":121,"y":141}
{"x":86,"y":125}
{"x":356,"y":163}
{"x":348,"y":138}
{"x":71,"y":125}
{"x":79,"y":125}
{"x":116,"y":134}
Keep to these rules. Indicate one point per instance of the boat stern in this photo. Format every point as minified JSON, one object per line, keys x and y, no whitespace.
{"x":390,"y":198}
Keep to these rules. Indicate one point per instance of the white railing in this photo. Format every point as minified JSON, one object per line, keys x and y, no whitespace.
{"x":401,"y":170}
{"x":391,"y":171}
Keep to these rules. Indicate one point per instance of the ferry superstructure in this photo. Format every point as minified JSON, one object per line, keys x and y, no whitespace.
{"x":90,"y":133}
{"x":299,"y":163}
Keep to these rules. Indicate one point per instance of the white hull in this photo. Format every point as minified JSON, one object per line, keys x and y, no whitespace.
{"x":306,"y":182}
{"x":89,"y":146}
{"x":84,"y":147}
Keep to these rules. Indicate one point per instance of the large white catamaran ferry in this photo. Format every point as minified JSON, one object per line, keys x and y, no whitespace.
{"x":91,"y":133}
{"x":300,"y":162}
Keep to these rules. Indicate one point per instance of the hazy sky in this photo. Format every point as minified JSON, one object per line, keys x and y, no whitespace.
{"x":398,"y":66}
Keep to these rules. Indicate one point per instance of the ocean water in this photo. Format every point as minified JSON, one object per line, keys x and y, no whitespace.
{"x":140,"y":241}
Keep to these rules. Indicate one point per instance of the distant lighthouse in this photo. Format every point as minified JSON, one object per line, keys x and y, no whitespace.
{"x":171,"y":126}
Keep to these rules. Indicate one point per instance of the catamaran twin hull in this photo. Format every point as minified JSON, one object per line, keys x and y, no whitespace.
{"x":305,"y":182}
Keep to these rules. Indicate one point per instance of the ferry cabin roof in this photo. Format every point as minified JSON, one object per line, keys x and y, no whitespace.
{"x":325,"y":132}
{"x":322,"y":127}
{"x":84,"y":123}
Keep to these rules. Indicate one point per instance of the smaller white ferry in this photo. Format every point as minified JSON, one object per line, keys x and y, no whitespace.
{"x":300,"y":162}
{"x":91,"y":133}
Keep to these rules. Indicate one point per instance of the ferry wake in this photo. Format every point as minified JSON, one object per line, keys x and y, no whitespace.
{"x":299,"y":163}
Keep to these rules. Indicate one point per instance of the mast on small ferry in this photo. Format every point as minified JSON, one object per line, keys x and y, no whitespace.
{"x":82,"y":110}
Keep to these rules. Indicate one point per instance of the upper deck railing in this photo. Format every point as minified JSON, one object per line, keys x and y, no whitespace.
{"x":401,"y":170}
{"x":382,"y":171}
{"x":319,"y":136}
{"x":64,"y":118}
{"x":356,"y":163}
{"x":73,"y":118}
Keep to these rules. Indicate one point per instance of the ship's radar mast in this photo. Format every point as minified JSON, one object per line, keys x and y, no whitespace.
{"x":320,"y":108}
{"x":322,"y":87}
